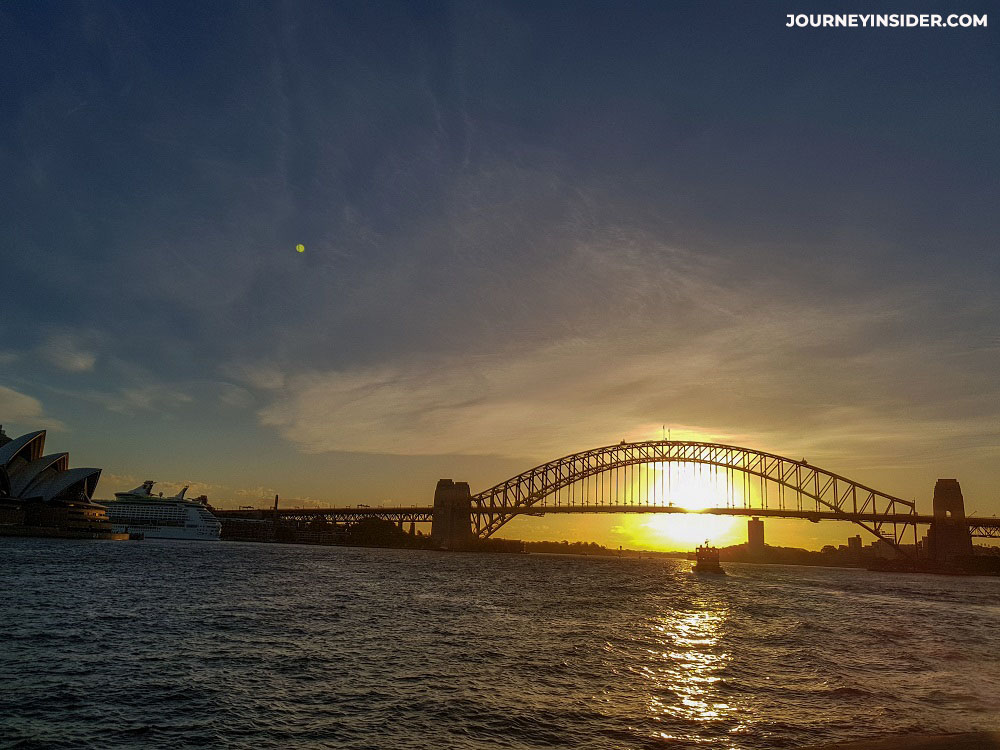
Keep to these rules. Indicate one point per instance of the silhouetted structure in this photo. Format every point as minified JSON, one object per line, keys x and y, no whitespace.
{"x":948,"y":538}
{"x":41,"y":496}
{"x":451,"y":526}
{"x":627,"y":473}
{"x":707,"y":560}
{"x":755,"y":538}
{"x":628,"y":478}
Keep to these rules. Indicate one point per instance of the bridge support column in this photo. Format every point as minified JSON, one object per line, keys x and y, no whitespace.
{"x":948,"y":537}
{"x":755,"y":539}
{"x":451,"y":524}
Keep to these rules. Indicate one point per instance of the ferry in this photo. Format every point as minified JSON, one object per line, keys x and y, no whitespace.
{"x":706,"y":560}
{"x":139,"y":511}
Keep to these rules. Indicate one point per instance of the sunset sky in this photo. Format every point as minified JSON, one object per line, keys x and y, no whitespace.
{"x":530,"y":229}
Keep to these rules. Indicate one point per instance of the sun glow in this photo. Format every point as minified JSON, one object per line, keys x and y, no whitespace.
{"x":681,"y":531}
{"x":693,"y":487}
{"x":642,"y":490}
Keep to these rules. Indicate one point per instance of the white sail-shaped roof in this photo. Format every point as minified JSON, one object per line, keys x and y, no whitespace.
{"x":29,"y":474}
{"x":25,"y":474}
{"x":64,"y":484}
{"x":26,"y":448}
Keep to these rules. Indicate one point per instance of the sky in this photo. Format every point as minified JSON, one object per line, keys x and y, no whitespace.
{"x":530,"y":228}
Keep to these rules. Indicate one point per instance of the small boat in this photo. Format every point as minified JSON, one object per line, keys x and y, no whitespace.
{"x":706,"y":560}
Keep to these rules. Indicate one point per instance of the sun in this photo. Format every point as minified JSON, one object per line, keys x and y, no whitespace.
{"x":692,"y":487}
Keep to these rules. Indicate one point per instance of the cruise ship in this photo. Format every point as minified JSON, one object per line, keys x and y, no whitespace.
{"x":139,"y":511}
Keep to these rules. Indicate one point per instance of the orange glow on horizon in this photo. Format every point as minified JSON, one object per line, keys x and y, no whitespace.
{"x":683,"y":531}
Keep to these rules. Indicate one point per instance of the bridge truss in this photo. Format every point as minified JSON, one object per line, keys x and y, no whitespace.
{"x":638,"y":475}
{"x":987,"y":528}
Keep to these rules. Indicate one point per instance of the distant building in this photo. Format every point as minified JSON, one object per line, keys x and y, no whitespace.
{"x":755,"y":539}
{"x":854,"y":545}
{"x":883,"y":550}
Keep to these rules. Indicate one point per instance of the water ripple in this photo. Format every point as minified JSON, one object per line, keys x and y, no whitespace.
{"x":134,"y":645}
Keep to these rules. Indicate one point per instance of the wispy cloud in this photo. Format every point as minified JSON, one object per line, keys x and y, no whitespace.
{"x":138,"y":388}
{"x":64,"y":350}
{"x":769,"y":374}
{"x":26,"y":410}
{"x":152,"y":397}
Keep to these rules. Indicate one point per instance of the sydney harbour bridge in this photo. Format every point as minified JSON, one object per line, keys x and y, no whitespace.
{"x":637,"y":477}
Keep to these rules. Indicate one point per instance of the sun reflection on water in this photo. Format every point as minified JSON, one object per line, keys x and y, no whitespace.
{"x":684,"y":672}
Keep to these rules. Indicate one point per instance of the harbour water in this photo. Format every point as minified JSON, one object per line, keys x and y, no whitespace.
{"x":186,"y":644}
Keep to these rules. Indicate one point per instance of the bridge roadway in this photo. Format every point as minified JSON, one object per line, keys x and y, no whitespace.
{"x":987,"y":527}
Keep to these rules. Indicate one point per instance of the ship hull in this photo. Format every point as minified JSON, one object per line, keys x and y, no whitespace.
{"x":167,"y":532}
{"x":710,"y":569}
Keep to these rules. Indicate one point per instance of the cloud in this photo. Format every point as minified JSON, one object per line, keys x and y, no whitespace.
{"x":64,"y":351}
{"x":234,"y":395}
{"x":256,"y":376}
{"x":748,"y":369}
{"x":147,"y":397}
{"x":154,"y":397}
{"x":23,"y":409}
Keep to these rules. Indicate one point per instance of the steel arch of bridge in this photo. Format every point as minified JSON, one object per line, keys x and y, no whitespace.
{"x":828,"y":491}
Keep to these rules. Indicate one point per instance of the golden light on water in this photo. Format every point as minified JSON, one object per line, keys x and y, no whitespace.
{"x":685,"y":671}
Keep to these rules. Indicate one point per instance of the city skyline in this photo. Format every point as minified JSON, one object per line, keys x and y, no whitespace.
{"x":525,"y":233}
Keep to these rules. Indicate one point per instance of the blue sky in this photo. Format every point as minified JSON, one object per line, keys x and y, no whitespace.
{"x":530,"y":228}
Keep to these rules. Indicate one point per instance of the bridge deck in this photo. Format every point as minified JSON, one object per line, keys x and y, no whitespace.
{"x":980,"y":526}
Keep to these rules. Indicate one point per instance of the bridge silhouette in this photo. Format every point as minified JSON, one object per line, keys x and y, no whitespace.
{"x":636,"y":478}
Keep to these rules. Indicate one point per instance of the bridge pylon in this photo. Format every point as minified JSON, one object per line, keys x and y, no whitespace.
{"x":451,"y":524}
{"x":948,"y":537}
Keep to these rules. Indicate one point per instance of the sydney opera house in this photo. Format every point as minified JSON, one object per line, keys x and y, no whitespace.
{"x":41,"y":496}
